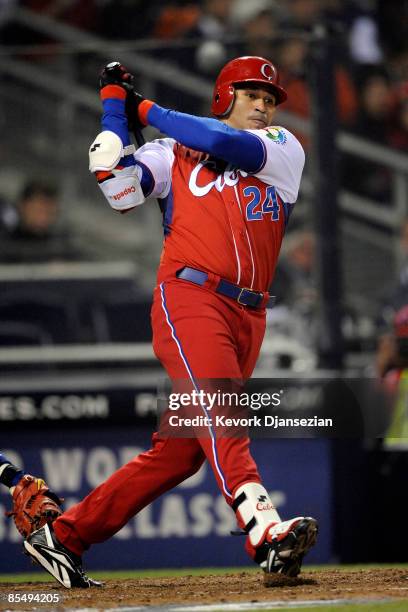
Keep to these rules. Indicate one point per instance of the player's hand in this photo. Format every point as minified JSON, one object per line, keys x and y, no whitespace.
{"x":115,"y":73}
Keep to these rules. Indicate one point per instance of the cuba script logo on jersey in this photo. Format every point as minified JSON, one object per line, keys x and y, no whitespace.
{"x":229,"y":178}
{"x":276,"y":134}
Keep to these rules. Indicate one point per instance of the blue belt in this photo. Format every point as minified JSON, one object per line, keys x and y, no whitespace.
{"x":246,"y":297}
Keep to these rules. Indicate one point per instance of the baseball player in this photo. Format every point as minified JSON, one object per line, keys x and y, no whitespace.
{"x":226,"y":186}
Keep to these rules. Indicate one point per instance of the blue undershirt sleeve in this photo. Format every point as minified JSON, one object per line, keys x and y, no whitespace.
{"x":238,"y":147}
{"x":114,"y":119}
{"x":146,"y":179}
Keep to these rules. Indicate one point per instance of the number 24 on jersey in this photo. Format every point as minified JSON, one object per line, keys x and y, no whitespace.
{"x":255,"y":208}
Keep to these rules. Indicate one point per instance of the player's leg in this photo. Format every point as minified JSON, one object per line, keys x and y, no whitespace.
{"x":195,"y":335}
{"x":277,"y":546}
{"x":207,"y":337}
{"x":128,"y":490}
{"x":194,"y":332}
{"x":108,"y":508}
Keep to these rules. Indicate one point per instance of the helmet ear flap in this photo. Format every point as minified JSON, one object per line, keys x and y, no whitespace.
{"x":231,"y":96}
{"x":223,"y":101}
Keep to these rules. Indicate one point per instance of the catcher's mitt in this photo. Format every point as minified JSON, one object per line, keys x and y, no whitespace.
{"x":33,"y":505}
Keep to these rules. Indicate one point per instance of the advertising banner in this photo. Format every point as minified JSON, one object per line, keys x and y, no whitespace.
{"x":187,"y":527}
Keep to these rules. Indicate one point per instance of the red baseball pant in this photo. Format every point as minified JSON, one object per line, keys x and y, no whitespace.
{"x":197,"y":334}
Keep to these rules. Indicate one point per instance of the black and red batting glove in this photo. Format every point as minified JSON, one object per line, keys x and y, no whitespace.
{"x":115,"y":73}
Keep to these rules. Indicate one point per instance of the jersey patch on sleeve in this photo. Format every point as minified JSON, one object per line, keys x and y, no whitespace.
{"x":284,"y":163}
{"x":276,"y":134}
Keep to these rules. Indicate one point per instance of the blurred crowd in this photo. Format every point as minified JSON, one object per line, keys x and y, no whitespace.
{"x":32,"y":229}
{"x":371,"y":79}
{"x":201,"y":35}
{"x":372,"y":59}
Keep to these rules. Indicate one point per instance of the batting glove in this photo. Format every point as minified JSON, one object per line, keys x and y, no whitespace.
{"x":115,"y":73}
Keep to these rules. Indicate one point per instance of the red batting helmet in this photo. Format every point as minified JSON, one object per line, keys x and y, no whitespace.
{"x":247,"y":69}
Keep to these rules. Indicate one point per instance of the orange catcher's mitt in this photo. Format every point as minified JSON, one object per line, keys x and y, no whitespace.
{"x":34,"y":504}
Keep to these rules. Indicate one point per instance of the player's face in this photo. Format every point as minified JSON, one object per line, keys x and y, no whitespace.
{"x":253,"y":109}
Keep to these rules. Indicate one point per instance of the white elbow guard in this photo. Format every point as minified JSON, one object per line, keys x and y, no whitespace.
{"x":123,"y":190}
{"x":106,"y":151}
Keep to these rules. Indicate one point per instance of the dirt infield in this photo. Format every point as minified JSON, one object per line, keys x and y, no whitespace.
{"x":221,"y":588}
